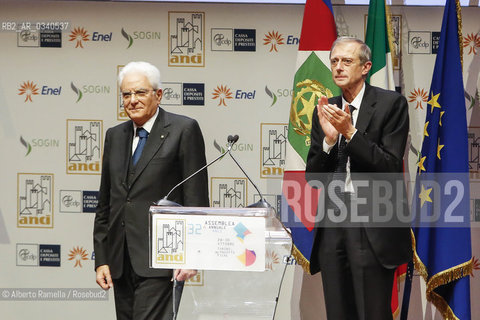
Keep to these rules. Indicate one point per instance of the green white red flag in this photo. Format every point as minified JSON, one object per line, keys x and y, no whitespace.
{"x":313,"y":79}
{"x":381,"y":75}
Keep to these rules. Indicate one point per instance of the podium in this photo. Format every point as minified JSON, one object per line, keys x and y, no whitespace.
{"x":241,"y":255}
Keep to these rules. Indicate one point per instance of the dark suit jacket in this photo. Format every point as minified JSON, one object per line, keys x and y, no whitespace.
{"x":378,"y":146}
{"x":174,"y":149}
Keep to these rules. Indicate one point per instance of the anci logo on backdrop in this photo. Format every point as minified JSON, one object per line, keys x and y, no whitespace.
{"x":227,"y":39}
{"x":29,"y":89}
{"x":274,"y":39}
{"x":133,"y":36}
{"x":35,"y":200}
{"x":186,"y":94}
{"x":186,"y":39}
{"x":197,"y":280}
{"x":89,"y":89}
{"x":39,"y":255}
{"x":228,"y":192}
{"x":223,"y":93}
{"x":84,"y":146}
{"x":273,"y":145}
{"x":80,"y":36}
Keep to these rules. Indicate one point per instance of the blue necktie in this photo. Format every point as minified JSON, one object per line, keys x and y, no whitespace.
{"x":143,"y":135}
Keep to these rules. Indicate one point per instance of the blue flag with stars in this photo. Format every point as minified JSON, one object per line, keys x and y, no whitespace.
{"x":442,"y":251}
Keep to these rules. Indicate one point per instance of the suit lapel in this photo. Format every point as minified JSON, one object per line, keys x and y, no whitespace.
{"x":125,"y":151}
{"x":366,"y":109}
{"x":338,"y":101}
{"x":155,"y":140}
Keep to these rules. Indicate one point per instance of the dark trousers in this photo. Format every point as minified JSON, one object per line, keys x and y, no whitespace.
{"x":356,"y":286}
{"x":139,"y":298}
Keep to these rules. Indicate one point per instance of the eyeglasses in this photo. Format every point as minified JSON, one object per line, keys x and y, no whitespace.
{"x":345,"y":61}
{"x":140,"y":94}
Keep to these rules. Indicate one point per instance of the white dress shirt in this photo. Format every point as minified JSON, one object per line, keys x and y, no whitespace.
{"x":327,"y":148}
{"x":147,"y":126}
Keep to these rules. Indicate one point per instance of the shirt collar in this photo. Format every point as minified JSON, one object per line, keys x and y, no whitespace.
{"x":358,"y":99}
{"x":147,"y":125}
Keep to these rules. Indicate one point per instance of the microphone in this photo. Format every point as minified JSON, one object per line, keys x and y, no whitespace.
{"x":262,"y":203}
{"x":232,"y":139}
{"x":168,"y":203}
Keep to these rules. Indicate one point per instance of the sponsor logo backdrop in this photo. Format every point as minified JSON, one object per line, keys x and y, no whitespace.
{"x":222,"y":65}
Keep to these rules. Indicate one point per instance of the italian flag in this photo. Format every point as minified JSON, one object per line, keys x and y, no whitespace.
{"x":379,"y":41}
{"x":313,"y":79}
{"x":378,"y":38}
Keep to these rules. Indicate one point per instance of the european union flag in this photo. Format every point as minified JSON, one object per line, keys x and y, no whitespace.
{"x":443,"y":254}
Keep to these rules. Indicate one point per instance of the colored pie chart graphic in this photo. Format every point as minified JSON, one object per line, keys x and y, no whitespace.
{"x":247,"y":258}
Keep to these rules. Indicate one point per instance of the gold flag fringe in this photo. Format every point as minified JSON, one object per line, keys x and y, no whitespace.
{"x":396,"y":313}
{"x":301,"y":260}
{"x":442,"y":278}
{"x":390,"y":35}
{"x":299,"y":257}
{"x":459,"y":271}
{"x":402,"y":277}
{"x":460,"y":37}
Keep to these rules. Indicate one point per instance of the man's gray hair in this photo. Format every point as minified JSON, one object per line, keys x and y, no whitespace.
{"x":365,"y":53}
{"x":149,"y":70}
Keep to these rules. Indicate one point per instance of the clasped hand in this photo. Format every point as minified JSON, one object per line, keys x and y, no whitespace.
{"x":334,"y":121}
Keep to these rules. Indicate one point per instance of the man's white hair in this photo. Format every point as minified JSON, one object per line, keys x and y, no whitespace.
{"x":147,"y":69}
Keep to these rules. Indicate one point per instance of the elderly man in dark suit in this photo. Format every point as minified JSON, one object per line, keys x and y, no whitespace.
{"x":363,"y":131}
{"x":143,"y":159}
